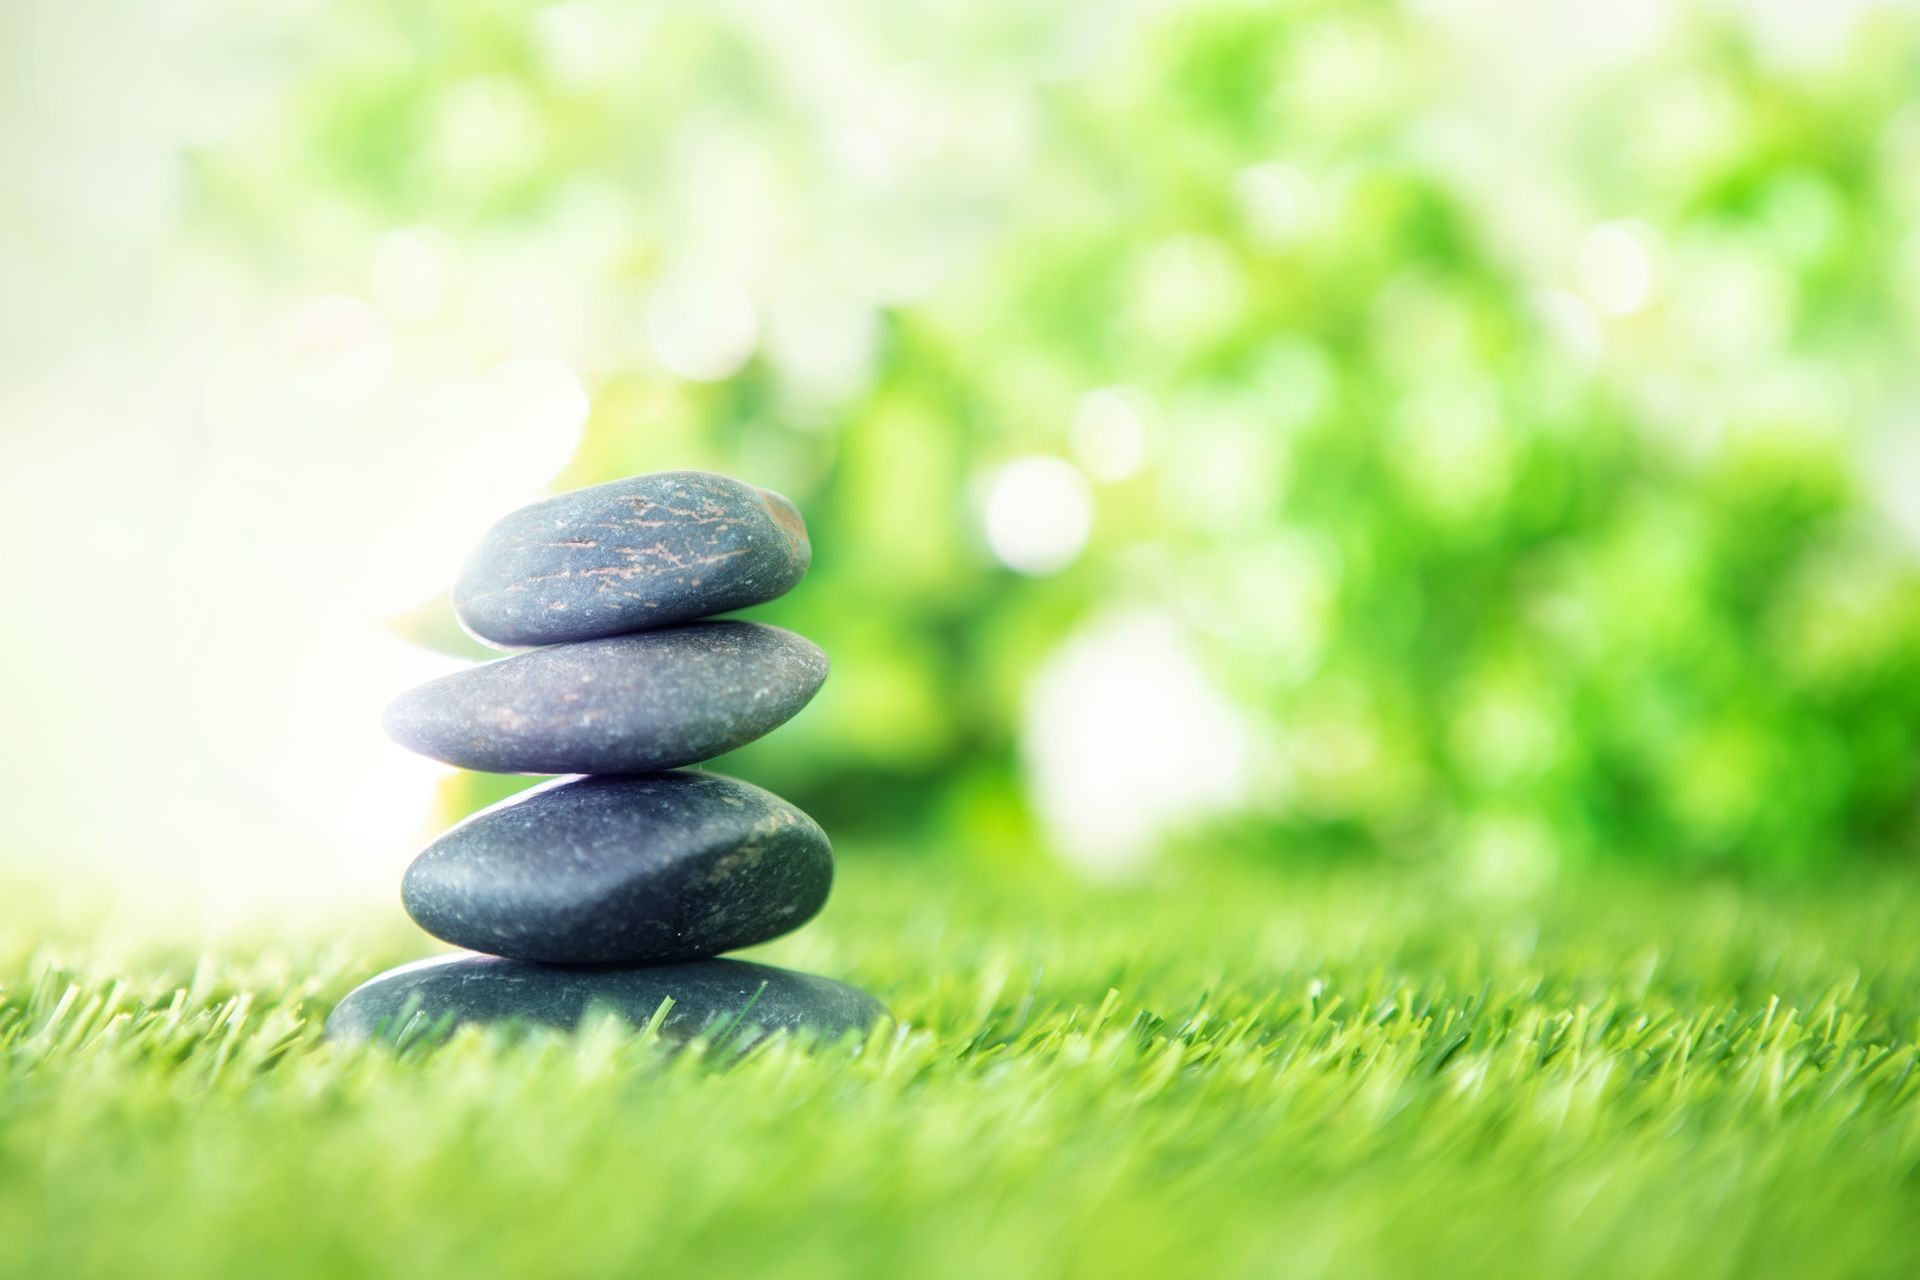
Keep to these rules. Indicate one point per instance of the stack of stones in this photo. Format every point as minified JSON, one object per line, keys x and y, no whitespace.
{"x":616,"y":889}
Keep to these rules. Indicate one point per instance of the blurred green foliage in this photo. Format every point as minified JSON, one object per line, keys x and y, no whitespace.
{"x":1508,"y":540}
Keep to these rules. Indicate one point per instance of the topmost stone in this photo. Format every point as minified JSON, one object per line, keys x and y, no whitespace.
{"x":647,"y":551}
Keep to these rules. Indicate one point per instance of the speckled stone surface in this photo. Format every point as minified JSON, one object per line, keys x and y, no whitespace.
{"x":625,"y":704}
{"x":750,"y":1000}
{"x":647,"y":551}
{"x":614,"y":870}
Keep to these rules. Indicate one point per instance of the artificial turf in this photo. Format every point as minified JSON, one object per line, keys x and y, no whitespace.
{"x":1226,"y":1072}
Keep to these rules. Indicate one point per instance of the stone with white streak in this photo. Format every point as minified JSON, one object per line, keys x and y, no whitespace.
{"x":646,"y":551}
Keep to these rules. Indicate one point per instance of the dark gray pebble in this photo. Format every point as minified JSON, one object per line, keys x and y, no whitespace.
{"x":743,"y":1001}
{"x":623,"y":870}
{"x":647,"y":551}
{"x":625,"y":704}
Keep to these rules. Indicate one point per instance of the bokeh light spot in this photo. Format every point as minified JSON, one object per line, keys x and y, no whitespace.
{"x":1279,"y":202}
{"x":1126,"y":739}
{"x":1616,"y":267}
{"x":1110,"y":432}
{"x":703,"y":330}
{"x":1039,"y":514}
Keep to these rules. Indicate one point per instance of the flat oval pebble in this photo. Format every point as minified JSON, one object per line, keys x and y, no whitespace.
{"x":616,"y":870}
{"x":745,"y":1002}
{"x":647,"y":551}
{"x":625,"y":704}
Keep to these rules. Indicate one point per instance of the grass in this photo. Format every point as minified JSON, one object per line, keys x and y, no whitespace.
{"x":1349,"y":1074}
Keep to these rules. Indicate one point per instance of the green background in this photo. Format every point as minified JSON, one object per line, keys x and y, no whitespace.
{"x":1482,"y":566}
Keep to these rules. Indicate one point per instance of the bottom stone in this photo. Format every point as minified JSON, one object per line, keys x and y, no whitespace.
{"x":754,"y":1000}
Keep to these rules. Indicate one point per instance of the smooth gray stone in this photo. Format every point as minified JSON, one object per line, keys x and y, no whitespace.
{"x":647,"y":551}
{"x":745,"y":1001}
{"x":623,"y":870}
{"x":624,"y":704}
